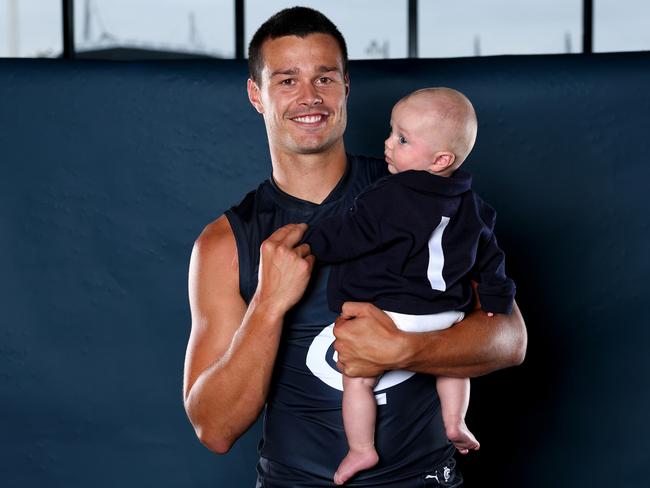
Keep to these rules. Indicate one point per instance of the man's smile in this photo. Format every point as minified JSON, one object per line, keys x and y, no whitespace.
{"x":310,"y":119}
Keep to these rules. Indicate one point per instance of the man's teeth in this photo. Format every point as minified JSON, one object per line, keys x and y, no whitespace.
{"x":309,"y":119}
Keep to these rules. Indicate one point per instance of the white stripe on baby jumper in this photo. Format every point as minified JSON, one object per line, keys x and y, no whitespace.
{"x":437,"y":257}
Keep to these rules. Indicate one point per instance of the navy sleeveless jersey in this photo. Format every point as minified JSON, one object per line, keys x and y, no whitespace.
{"x":303,"y":425}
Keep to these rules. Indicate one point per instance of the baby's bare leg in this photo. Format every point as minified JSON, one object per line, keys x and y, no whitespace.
{"x":359,"y":413}
{"x":454,"y":400}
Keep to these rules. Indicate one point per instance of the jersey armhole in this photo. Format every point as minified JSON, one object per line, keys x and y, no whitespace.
{"x":243,"y":254}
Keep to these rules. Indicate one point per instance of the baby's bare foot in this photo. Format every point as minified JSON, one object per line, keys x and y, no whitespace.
{"x":355,"y":461}
{"x":462,"y":438}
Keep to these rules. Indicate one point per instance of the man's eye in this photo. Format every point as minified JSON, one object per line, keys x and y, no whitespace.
{"x":324,"y":80}
{"x":402,"y":140}
{"x":287,"y":82}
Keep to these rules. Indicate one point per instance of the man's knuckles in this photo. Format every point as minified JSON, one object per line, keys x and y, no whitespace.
{"x":268,"y":247}
{"x":303,"y":266}
{"x":279,"y":251}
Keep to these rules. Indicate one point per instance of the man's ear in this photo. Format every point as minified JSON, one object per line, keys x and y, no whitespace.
{"x":346,"y":82}
{"x":254,"y":95}
{"x":442,"y":160}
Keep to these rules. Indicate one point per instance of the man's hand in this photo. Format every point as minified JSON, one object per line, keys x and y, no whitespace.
{"x":285,"y":268}
{"x":367,"y":341}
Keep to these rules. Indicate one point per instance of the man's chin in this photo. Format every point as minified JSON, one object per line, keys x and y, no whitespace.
{"x":313,"y":147}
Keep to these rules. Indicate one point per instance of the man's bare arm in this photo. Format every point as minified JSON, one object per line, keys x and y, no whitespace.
{"x":368,"y":343}
{"x":232,"y":347}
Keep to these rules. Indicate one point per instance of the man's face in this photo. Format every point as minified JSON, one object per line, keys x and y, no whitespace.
{"x":302,"y":93}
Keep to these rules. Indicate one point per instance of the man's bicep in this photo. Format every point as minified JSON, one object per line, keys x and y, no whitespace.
{"x":216,"y":305}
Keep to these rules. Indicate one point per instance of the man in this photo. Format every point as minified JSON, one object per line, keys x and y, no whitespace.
{"x":260,"y":335}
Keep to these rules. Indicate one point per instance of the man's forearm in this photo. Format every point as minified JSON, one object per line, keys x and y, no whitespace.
{"x":476,"y":346}
{"x":228,"y":396}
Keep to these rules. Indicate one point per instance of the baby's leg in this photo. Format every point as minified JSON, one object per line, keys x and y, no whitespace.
{"x":454,"y":400}
{"x":359,"y":413}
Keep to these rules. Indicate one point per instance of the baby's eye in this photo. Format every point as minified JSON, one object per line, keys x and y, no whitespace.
{"x":402,"y":140}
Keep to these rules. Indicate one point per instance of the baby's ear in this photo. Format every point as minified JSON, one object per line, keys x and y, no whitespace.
{"x":442,"y":160}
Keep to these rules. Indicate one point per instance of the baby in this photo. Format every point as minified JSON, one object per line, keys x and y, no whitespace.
{"x":412,"y":244}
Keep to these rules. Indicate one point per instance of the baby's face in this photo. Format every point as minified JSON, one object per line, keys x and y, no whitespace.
{"x":408,"y":145}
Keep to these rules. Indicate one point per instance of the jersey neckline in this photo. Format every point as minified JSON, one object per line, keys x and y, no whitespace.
{"x":294,"y":203}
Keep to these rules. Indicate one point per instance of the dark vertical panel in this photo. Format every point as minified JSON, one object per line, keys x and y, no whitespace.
{"x":68,"y":29}
{"x":413,"y":29}
{"x":587,"y":26}
{"x":239,"y":29}
{"x":68,"y":361}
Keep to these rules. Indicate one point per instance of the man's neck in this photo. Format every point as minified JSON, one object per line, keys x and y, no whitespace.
{"x":310,"y":177}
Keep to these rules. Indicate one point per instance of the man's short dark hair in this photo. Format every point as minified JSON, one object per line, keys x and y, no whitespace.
{"x":294,"y":21}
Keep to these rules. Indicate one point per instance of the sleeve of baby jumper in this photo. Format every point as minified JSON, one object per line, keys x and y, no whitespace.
{"x":496,"y":291}
{"x":348,"y":236}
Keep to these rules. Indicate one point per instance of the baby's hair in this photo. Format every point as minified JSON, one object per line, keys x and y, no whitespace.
{"x":455,"y":110}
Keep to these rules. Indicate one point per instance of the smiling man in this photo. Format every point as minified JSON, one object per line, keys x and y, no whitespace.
{"x":261,"y":336}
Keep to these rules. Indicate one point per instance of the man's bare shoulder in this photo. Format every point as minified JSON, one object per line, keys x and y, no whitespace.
{"x":216,"y":243}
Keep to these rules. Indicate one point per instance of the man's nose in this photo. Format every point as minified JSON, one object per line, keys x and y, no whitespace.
{"x":309,"y":95}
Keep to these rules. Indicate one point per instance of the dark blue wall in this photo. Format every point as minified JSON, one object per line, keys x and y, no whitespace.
{"x":108,"y":172}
